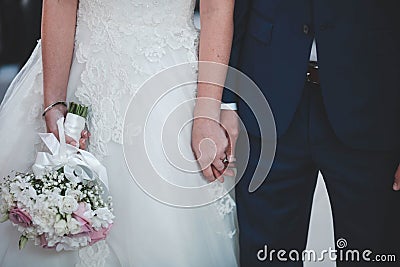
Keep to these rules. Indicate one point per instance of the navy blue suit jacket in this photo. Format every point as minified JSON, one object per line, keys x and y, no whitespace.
{"x":358,"y":54}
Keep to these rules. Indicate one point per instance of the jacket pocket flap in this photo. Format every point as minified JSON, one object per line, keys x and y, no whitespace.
{"x":260,"y":28}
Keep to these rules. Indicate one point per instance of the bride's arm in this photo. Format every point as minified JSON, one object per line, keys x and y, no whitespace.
{"x":58,"y":34}
{"x":216,"y":36}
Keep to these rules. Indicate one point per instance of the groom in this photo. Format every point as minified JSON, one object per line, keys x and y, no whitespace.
{"x":330,"y":70}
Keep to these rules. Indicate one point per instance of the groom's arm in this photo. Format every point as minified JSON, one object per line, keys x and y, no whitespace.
{"x":240,"y":17}
{"x":229,"y":118}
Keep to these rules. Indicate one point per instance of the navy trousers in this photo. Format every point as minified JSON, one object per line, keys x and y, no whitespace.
{"x":359,"y":182}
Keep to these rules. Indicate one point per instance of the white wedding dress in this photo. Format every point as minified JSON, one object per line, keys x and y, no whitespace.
{"x":119,"y":44}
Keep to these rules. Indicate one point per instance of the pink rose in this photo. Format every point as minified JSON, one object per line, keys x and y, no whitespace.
{"x":20,"y":217}
{"x":86,"y":228}
{"x":79,"y":216}
{"x":101,"y":234}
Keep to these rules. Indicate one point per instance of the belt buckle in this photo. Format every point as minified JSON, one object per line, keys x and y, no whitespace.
{"x":312,"y":66}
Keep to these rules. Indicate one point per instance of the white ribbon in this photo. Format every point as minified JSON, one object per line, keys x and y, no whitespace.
{"x":79,"y":165}
{"x":73,"y":126}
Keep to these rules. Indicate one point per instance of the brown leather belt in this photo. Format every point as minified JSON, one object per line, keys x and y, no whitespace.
{"x":312,"y":73}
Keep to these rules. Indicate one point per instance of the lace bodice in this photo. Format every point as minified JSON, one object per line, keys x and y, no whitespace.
{"x":121,"y":43}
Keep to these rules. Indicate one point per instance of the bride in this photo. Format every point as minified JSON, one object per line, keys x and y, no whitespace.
{"x":99,"y":53}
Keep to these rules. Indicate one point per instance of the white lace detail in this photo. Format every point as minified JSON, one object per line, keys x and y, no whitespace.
{"x":224,"y":203}
{"x":225,"y":206}
{"x":139,"y":36}
{"x":94,"y":256}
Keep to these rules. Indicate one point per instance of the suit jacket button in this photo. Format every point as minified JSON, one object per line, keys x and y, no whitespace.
{"x":306,"y":29}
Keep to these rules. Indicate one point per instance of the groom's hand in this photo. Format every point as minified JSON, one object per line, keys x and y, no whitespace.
{"x":230,"y":122}
{"x":396,"y":184}
{"x":209,"y":144}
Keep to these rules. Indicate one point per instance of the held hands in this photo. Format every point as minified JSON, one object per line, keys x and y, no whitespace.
{"x":396,"y":184}
{"x":213,"y":144}
{"x":230,"y":122}
{"x":51,"y":119}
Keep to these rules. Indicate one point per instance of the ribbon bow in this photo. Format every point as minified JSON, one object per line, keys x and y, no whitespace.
{"x":79,"y":165}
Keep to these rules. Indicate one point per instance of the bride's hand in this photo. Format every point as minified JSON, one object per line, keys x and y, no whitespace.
{"x":51,"y":118}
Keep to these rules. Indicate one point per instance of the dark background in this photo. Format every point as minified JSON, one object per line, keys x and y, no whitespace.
{"x":19,"y":29}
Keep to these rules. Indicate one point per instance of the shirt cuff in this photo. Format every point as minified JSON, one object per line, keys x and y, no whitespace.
{"x":229,"y":106}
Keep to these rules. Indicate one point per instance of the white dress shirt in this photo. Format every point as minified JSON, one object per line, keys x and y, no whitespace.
{"x":313,"y":55}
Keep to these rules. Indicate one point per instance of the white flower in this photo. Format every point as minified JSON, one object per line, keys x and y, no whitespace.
{"x":24,"y":200}
{"x":89,"y":213}
{"x":15,"y":189}
{"x":42,"y":203}
{"x":74,"y":226}
{"x":56,"y":191}
{"x":97,"y":223}
{"x":32,"y":192}
{"x":73,"y":193}
{"x":68,"y":205}
{"x":104,"y":214}
{"x":53,"y":196}
{"x":103,"y":217}
{"x":23,"y":183}
{"x":29,"y":232}
{"x":71,"y":243}
{"x":52,"y":240}
{"x":60,"y":227}
{"x":44,"y":217}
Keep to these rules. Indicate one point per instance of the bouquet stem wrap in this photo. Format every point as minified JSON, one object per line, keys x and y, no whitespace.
{"x":74,"y":125}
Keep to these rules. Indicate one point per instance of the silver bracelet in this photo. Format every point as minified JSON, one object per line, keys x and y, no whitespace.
{"x":53,"y":105}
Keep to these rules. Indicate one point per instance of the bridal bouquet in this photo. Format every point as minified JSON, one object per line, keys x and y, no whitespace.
{"x":63,"y":203}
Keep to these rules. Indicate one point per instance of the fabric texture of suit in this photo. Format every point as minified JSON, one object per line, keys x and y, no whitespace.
{"x":348,"y":128}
